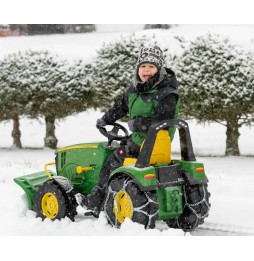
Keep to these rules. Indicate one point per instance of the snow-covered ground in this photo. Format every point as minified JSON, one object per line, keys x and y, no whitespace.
{"x":231,"y":178}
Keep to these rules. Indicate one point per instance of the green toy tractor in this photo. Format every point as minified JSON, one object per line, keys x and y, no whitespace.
{"x":149,"y":188}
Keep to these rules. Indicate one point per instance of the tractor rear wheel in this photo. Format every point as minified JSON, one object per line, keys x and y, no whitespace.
{"x":196,"y":208}
{"x":124,"y":199}
{"x":52,"y":201}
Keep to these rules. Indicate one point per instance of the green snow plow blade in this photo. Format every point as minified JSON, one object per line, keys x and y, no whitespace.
{"x":31,"y":183}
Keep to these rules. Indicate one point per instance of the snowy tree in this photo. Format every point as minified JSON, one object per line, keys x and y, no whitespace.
{"x":113,"y":69}
{"x":53,"y":88}
{"x":217,"y":84}
{"x":13,"y":94}
{"x":60,"y":90}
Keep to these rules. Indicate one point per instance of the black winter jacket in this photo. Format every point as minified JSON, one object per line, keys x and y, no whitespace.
{"x":161,"y":88}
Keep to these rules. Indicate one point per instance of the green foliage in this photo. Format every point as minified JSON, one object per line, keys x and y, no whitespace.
{"x":14,"y":92}
{"x":216,"y":81}
{"x":37,"y":83}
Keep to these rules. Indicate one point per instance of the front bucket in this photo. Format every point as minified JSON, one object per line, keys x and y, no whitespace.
{"x":30,"y":184}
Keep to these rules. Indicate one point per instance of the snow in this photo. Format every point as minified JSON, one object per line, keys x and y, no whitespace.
{"x":17,"y":163}
{"x":231,"y":178}
{"x":84,"y":46}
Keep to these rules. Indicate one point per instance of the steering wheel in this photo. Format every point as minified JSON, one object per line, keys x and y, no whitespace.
{"x":113,"y":134}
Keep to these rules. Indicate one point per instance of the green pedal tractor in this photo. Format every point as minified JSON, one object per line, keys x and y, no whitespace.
{"x":149,"y":188}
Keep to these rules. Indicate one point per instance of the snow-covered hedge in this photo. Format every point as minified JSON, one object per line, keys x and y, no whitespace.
{"x":217,"y":84}
{"x":13,"y":93}
{"x":43,"y":82}
{"x":216,"y":79}
{"x":38,"y":83}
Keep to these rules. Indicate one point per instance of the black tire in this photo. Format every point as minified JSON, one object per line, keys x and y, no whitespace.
{"x":144,"y":203}
{"x":196,"y":208}
{"x":63,"y":203}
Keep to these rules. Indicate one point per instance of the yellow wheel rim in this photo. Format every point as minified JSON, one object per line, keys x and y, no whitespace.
{"x":49,"y":205}
{"x":122,"y":206}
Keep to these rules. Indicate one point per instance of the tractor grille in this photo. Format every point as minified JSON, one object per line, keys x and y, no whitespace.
{"x":63,"y":158}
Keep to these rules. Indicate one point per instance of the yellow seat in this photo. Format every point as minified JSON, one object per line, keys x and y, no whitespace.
{"x":161,"y":151}
{"x":129,"y":161}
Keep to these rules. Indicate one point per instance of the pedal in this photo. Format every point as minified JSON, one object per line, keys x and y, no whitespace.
{"x":91,"y":213}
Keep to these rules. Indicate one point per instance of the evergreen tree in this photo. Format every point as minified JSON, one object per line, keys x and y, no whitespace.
{"x":217,"y":84}
{"x":53,"y":88}
{"x":113,"y":69}
{"x":13,"y":94}
{"x":61,"y":91}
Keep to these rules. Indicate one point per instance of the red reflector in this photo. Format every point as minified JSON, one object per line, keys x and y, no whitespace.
{"x":149,"y":176}
{"x":200,"y":169}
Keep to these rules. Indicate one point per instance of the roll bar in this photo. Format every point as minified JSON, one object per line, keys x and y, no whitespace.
{"x":187,"y":152}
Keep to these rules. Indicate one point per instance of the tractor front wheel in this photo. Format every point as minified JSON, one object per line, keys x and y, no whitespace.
{"x":124,"y":199}
{"x":53,"y":202}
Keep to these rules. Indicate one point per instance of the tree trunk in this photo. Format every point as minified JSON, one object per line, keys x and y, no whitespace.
{"x":16,"y":134}
{"x":233,"y":135}
{"x":50,"y":140}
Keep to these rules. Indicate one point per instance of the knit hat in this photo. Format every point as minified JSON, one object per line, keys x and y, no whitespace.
{"x":151,"y":55}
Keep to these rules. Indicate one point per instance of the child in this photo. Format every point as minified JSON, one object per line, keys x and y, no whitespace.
{"x":151,"y":98}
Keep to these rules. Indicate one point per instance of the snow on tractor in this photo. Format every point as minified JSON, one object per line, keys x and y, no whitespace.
{"x":145,"y":189}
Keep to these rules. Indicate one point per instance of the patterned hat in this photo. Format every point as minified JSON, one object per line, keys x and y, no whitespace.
{"x":153,"y":55}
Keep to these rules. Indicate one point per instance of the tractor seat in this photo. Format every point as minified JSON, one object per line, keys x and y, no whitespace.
{"x":161,"y":151}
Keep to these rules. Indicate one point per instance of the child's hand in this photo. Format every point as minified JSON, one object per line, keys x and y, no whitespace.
{"x":100,"y":123}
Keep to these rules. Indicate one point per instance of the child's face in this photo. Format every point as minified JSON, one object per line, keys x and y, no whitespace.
{"x":146,"y":71}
